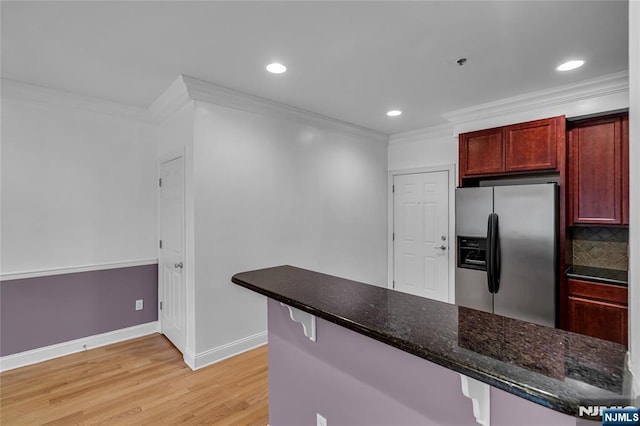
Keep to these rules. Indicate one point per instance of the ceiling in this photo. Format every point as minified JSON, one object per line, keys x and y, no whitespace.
{"x":350,"y":60}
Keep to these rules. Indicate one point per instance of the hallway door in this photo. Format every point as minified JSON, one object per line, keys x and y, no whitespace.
{"x":172,"y":267}
{"x":421,"y":234}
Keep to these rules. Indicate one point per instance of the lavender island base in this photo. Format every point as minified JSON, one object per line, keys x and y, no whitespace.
{"x":351,"y":379}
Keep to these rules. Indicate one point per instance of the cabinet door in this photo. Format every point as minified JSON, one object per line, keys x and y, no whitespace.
{"x":482,"y":152}
{"x":532,"y":145}
{"x":595,"y":160}
{"x":597,"y":318}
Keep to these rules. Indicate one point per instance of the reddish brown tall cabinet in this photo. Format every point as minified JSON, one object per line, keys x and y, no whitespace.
{"x":598,"y":178}
{"x":598,"y":171}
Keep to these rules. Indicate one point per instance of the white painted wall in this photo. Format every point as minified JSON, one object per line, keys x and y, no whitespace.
{"x":428,"y":148}
{"x":174,"y":135}
{"x":271,"y":190}
{"x":77,"y":183}
{"x":634,"y":180}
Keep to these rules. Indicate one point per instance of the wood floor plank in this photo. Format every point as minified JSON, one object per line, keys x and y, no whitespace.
{"x":137,"y":382}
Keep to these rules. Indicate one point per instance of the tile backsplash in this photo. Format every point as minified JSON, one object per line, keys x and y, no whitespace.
{"x":599,"y":247}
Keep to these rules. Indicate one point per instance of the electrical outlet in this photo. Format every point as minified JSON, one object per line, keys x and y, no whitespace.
{"x":139,"y":305}
{"x":320,"y":421}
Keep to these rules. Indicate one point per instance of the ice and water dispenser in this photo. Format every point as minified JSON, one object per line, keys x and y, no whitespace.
{"x":472,"y":253}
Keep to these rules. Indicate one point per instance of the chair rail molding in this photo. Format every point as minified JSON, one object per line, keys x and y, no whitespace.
{"x":74,"y":269}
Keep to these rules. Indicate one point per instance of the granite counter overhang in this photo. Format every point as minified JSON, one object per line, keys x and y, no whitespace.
{"x":554,"y":368}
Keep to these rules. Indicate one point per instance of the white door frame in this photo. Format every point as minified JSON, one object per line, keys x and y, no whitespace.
{"x":453,"y":179}
{"x":166,"y":157}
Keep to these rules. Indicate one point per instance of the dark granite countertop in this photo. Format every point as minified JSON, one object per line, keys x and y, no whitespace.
{"x":608,"y":276}
{"x":554,"y":368}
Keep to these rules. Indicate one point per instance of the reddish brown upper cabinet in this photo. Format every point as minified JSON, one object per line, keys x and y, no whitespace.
{"x":518,"y":148}
{"x":532,"y":145}
{"x":598,"y":310}
{"x":598,"y":171}
{"x":482,"y":152}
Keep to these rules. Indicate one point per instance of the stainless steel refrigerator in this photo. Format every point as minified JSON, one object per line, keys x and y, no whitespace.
{"x":506,"y":250}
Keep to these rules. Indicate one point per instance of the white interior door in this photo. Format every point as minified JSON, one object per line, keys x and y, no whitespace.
{"x":421,"y":234}
{"x":172,"y":282}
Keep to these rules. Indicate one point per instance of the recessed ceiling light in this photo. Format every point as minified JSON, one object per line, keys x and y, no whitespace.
{"x":276,"y":68}
{"x":570,"y":65}
{"x":394,"y":113}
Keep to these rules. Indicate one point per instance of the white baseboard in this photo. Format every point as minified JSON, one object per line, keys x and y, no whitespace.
{"x":189,"y":358}
{"x":217,"y":354}
{"x":46,"y":353}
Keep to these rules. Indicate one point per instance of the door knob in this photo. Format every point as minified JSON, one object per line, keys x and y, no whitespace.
{"x":442,"y":247}
{"x":178,"y":265}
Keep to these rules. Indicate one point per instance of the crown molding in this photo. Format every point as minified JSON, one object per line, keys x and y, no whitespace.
{"x":599,"y":94}
{"x":23,"y":92}
{"x":171,"y":100}
{"x":438,"y":131}
{"x":186,"y":88}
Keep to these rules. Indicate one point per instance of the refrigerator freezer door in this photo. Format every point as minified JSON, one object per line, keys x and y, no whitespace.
{"x":527,"y":216}
{"x":473,"y":206}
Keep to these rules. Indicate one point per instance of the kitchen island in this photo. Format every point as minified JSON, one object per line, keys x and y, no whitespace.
{"x":370,"y":355}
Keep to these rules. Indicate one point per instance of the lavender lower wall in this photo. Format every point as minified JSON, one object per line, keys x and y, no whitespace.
{"x":353,"y":380}
{"x":37,"y":312}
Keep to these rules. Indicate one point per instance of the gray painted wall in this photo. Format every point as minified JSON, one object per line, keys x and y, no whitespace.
{"x":37,"y":312}
{"x":353,"y":380}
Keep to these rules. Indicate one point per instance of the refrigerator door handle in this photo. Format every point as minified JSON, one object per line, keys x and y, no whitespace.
{"x":489,"y":252}
{"x":495,"y":256}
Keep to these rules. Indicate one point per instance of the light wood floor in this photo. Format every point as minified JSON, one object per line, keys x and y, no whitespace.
{"x":141,"y":381}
